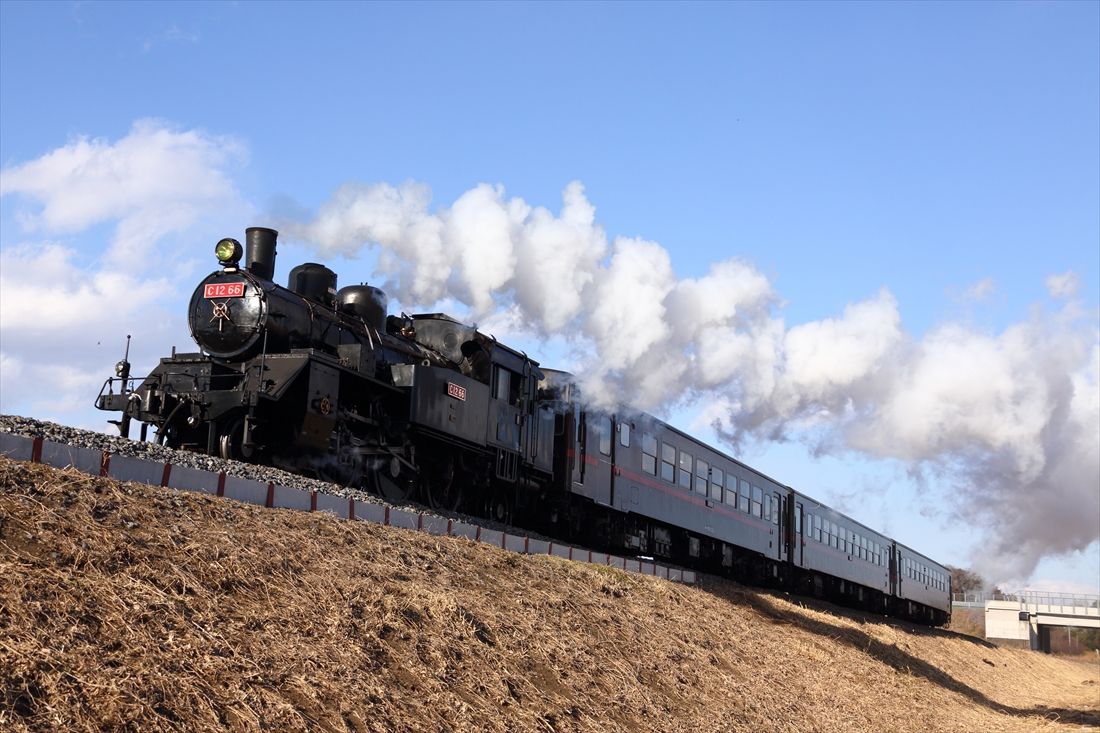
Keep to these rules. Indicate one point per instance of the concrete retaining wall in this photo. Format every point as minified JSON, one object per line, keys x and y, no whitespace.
{"x":128,"y":468}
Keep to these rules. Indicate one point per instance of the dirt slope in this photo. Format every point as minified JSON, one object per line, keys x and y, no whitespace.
{"x":125,"y":607}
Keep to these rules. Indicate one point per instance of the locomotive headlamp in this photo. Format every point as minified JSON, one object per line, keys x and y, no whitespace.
{"x":228,"y":251}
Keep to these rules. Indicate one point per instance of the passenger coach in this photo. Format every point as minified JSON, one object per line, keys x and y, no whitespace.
{"x":666,"y":494}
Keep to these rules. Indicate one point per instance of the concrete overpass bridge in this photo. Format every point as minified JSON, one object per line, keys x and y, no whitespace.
{"x":1027,"y":617}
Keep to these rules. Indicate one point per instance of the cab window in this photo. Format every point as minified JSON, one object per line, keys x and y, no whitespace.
{"x":506,"y":385}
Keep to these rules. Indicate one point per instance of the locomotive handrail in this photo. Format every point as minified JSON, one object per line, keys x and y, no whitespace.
{"x":109,"y":385}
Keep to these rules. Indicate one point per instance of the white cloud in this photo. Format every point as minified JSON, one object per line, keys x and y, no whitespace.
{"x":155,"y":181}
{"x":1064,"y":285}
{"x":980,"y":290}
{"x":44,"y":290}
{"x":67,"y":299}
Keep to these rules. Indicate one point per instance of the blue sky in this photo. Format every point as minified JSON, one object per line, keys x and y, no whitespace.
{"x":947,"y":155}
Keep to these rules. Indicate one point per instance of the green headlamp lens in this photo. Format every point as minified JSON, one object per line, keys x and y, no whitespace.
{"x":228,"y":251}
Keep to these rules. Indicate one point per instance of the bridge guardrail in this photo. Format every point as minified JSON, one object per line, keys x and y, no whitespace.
{"x":1083,"y":603}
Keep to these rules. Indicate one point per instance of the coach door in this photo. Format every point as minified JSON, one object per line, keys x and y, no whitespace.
{"x":895,"y":567}
{"x":594,"y":459}
{"x":601,"y":447}
{"x":796,"y":538}
{"x":781,"y":516}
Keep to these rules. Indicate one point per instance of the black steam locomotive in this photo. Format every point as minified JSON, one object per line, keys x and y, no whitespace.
{"x":325,"y":383}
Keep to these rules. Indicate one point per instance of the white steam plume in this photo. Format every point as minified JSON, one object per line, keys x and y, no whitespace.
{"x":1010,"y":420}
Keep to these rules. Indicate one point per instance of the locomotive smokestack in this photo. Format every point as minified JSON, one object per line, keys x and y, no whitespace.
{"x":260,"y":249}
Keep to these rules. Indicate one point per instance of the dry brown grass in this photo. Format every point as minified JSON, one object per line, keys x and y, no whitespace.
{"x":125,"y":607}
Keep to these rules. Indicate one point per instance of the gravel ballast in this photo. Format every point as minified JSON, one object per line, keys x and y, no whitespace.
{"x":117,"y":445}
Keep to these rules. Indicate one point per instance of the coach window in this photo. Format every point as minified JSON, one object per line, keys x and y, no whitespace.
{"x":743,"y":500}
{"x":717,"y":481}
{"x":649,"y":454}
{"x":775,"y":509}
{"x":604,"y":428}
{"x":757,"y":501}
{"x":624,"y":434}
{"x":685,"y":470}
{"x":702,"y":476}
{"x":817,"y":527}
{"x":731,"y":490}
{"x":668,"y":463}
{"x":767,"y":514}
{"x":798,"y":519}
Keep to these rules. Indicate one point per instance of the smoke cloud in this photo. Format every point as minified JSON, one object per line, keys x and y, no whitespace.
{"x":1007,"y":424}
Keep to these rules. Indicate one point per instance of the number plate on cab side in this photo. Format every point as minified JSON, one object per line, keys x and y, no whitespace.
{"x":223,"y":290}
{"x":456,"y":391}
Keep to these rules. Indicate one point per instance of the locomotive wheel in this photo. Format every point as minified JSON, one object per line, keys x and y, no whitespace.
{"x":391,"y":483}
{"x":443,"y":489}
{"x":230,"y":442}
{"x":498,"y":506}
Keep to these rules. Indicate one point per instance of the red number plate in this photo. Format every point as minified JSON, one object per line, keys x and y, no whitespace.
{"x":454,"y":390}
{"x":223,"y":290}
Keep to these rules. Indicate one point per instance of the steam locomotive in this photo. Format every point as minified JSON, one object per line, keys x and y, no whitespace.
{"x":323,"y":382}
